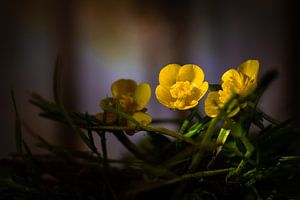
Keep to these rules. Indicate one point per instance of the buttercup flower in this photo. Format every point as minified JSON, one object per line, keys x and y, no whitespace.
{"x":213,"y":105}
{"x":133,"y":99}
{"x":242,"y":82}
{"x":181,"y":87}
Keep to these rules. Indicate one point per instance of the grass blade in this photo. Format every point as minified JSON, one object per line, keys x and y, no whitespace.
{"x":18,"y":129}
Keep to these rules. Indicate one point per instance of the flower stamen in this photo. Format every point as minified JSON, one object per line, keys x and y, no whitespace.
{"x":182,"y":89}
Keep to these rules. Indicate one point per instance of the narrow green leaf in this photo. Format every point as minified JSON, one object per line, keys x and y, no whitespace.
{"x":159,"y":130}
{"x":187,"y":121}
{"x":197,"y":127}
{"x":131,"y":146}
{"x":18,"y":126}
{"x":221,"y":139}
{"x":90,"y":135}
{"x":56,"y":90}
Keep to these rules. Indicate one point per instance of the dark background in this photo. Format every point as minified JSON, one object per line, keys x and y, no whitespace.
{"x":104,"y":40}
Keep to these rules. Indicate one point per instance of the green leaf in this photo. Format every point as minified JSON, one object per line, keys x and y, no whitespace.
{"x":187,"y":121}
{"x":18,"y":126}
{"x":198,"y":127}
{"x":56,"y":90}
{"x":131,"y":147}
{"x":221,"y":139}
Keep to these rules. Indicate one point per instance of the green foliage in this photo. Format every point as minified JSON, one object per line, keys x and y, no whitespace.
{"x":250,"y":154}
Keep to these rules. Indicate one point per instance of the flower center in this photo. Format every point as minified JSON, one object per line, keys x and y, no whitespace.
{"x":127,"y":103}
{"x":241,"y":85}
{"x":182,"y":89}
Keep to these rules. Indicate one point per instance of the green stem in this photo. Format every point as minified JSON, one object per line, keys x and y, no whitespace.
{"x":159,"y":130}
{"x":113,"y":128}
{"x":168,"y":132}
{"x":102,"y":135}
{"x":195,"y":161}
{"x":91,"y":137}
{"x":18,"y":126}
{"x":200,"y":174}
{"x":103,"y":147}
{"x":249,"y":147}
{"x":206,"y":139}
{"x":249,"y":150}
{"x":210,"y":131}
{"x":268,"y":117}
{"x":187,"y":121}
{"x":197,"y":175}
{"x":131,"y":147}
{"x":222,"y":113}
{"x":56,"y":93}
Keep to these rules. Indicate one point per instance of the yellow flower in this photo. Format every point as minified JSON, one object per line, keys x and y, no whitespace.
{"x":242,"y":82}
{"x":213,"y":105}
{"x":181,"y":87}
{"x":133,"y":99}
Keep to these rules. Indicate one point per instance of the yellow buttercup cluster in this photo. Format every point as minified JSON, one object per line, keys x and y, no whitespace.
{"x":132,"y":98}
{"x":241,"y":82}
{"x":181,"y":87}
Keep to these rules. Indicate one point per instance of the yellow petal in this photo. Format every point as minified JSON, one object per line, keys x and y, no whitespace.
{"x":203,"y":89}
{"x":123,"y":87}
{"x":168,"y":74}
{"x":212,"y":104}
{"x":225,"y":94}
{"x":163,"y":96}
{"x":192,"y":104}
{"x":249,"y":68}
{"x":231,"y":75}
{"x":142,"y":95}
{"x":194,"y":99}
{"x":142,"y":118}
{"x":192,"y":73}
{"x":234,"y":112}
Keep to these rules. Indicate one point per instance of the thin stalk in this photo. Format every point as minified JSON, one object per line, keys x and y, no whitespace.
{"x":18,"y":126}
{"x":197,"y":175}
{"x":209,"y":133}
{"x":206,"y":139}
{"x":212,"y":126}
{"x":187,"y":121}
{"x":104,"y":147}
{"x":268,"y":117}
{"x":159,"y":130}
{"x":56,"y":93}
{"x":102,"y":135}
{"x":113,"y":128}
{"x":131,"y":146}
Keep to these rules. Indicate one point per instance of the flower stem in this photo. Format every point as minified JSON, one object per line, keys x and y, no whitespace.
{"x":187,"y":121}
{"x":268,"y":117}
{"x":159,"y":130}
{"x":131,"y":147}
{"x":200,"y":174}
{"x":197,"y":175}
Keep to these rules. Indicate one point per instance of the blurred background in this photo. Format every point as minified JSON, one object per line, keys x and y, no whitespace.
{"x":102,"y":41}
